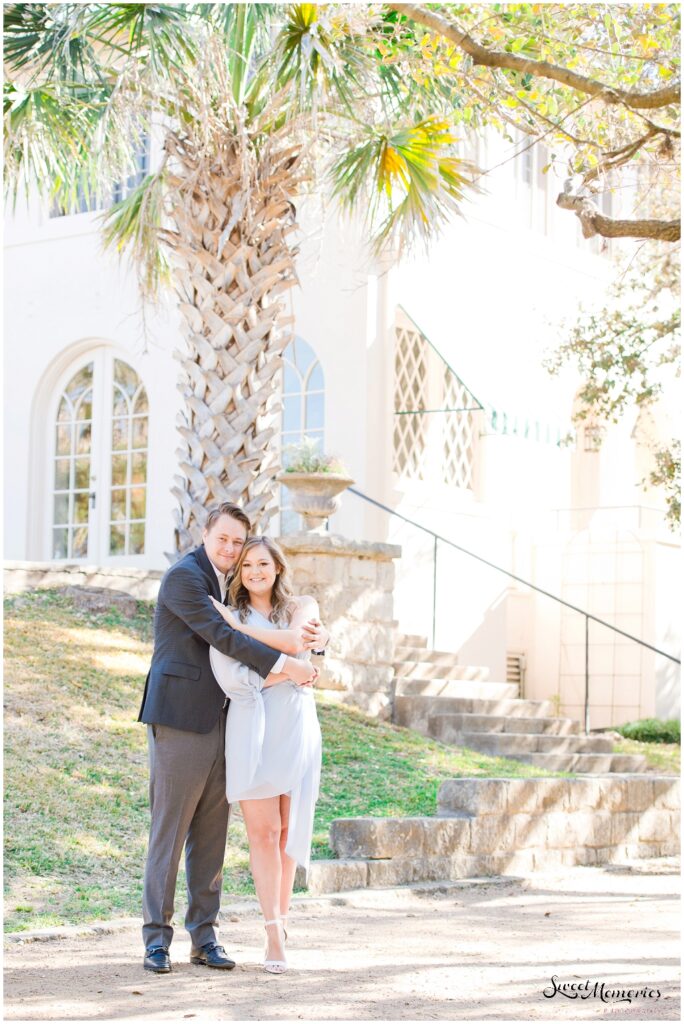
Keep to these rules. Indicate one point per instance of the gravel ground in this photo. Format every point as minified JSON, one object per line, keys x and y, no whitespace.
{"x":474,"y":950}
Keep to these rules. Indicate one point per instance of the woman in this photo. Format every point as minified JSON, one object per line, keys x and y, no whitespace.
{"x":273,"y":739}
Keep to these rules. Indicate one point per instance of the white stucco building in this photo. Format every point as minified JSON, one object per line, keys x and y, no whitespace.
{"x":383,"y":352}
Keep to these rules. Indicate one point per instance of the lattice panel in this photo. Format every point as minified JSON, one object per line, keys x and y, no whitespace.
{"x":410,"y":394}
{"x":459,"y":433}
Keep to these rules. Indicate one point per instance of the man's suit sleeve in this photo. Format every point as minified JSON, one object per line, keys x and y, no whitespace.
{"x":185,"y":594}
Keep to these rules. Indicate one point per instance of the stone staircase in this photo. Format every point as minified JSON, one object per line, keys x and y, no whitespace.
{"x":457,"y":704}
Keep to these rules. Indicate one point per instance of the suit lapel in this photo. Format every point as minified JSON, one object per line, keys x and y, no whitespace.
{"x":208,"y":569}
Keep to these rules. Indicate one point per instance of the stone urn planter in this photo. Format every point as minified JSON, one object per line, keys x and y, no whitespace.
{"x":315,"y":496}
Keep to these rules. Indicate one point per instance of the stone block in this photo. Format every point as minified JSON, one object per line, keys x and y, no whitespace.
{"x":386,"y":575}
{"x":646,"y":850}
{"x":530,"y":830}
{"x":670,"y":848}
{"x":666,"y":794}
{"x":620,"y":853}
{"x":375,"y":705}
{"x":624,"y":827}
{"x":334,"y":675}
{"x":612,"y":795}
{"x":522,"y":796}
{"x":472,"y":796}
{"x":640,"y":793}
{"x":547,"y":858}
{"x":101,"y":599}
{"x":378,"y":838}
{"x":490,"y":864}
{"x":333,"y":876}
{"x":585,"y":855}
{"x":559,"y":832}
{"x":598,"y":827}
{"x":397,"y":871}
{"x":364,"y":569}
{"x":583,"y":794}
{"x":344,"y":675}
{"x":552,"y":794}
{"x":657,"y":826}
{"x":518,"y":862}
{"x":446,"y":836}
{"x":492,"y":833}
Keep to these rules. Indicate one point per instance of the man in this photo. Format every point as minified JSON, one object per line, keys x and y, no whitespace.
{"x":184,"y":709}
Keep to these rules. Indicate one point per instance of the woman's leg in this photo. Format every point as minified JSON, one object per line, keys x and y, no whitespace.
{"x":262,"y":821}
{"x":288,"y":865}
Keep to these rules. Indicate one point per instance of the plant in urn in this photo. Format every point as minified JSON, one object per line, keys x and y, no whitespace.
{"x":316,"y":482}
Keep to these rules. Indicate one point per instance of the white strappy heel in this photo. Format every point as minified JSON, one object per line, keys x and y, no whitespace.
{"x":274,"y":966}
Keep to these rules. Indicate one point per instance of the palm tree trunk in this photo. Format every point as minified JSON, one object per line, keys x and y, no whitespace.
{"x":233,"y":215}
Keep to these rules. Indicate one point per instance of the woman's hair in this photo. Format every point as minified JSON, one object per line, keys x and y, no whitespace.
{"x":281,"y":596}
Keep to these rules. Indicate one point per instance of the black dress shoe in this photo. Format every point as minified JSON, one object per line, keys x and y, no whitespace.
{"x":157,"y":959}
{"x":212,"y":955}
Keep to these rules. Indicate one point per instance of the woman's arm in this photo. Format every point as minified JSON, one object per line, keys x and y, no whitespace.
{"x":287,"y":641}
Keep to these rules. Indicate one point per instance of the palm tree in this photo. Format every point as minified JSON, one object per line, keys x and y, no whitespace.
{"x":255,"y":104}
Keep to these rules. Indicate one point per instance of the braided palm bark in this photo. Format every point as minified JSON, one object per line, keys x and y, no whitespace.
{"x":233,"y":216}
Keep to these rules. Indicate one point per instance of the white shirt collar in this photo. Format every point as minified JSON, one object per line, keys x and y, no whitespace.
{"x":222,"y":579}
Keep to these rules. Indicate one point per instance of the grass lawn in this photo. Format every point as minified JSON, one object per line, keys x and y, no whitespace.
{"x":664,"y":758}
{"x":76,"y":766}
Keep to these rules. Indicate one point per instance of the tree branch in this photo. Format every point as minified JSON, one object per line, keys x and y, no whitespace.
{"x":540,"y":68}
{"x":594,"y":223}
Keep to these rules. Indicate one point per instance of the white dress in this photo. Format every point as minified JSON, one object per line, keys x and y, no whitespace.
{"x":273,"y":743}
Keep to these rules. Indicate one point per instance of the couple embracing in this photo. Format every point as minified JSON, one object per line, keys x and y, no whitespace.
{"x":230,"y":716}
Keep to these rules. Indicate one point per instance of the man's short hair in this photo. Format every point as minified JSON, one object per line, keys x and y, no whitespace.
{"x":227,"y":508}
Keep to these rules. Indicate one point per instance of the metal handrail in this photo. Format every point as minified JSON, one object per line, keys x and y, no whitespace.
{"x":519,"y":579}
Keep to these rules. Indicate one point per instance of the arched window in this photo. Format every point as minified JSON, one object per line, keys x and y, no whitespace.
{"x":99,"y":462}
{"x":128,"y":462}
{"x":303,"y":411}
{"x":72,"y":467}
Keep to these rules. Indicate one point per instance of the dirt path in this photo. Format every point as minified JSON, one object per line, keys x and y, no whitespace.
{"x":466,"y":951}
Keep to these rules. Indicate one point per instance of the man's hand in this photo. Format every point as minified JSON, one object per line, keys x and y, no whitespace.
{"x":312,"y":682}
{"x":314,"y":635}
{"x":300,"y":672}
{"x":230,"y":618}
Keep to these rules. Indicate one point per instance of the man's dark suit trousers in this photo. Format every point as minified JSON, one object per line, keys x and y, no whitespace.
{"x":188,"y":804}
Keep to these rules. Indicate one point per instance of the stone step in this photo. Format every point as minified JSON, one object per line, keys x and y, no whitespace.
{"x":591,"y":763}
{"x":382,"y":838}
{"x":628,"y":763}
{"x":428,"y":670}
{"x":481,"y":797}
{"x":415,"y":712}
{"x":504,"y":744}
{"x":423,"y":656}
{"x":446,"y":724}
{"x":429,"y":688}
{"x":411,"y":640}
{"x":506,"y":706}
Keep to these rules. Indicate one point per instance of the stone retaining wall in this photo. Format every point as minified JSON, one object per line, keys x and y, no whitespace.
{"x":507,"y":826}
{"x":353,"y":582}
{"x":140,"y":583}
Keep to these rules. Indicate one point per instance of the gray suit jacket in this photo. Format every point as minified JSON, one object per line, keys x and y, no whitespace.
{"x":180,"y":689}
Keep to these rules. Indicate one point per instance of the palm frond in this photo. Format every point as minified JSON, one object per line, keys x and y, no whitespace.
{"x":47,"y":42}
{"x":135,"y":226}
{"x":159,"y":36}
{"x":322,"y":53}
{"x":46,"y":142}
{"x":410,"y":181}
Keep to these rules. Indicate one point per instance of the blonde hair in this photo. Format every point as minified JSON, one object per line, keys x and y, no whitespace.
{"x":281,"y":595}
